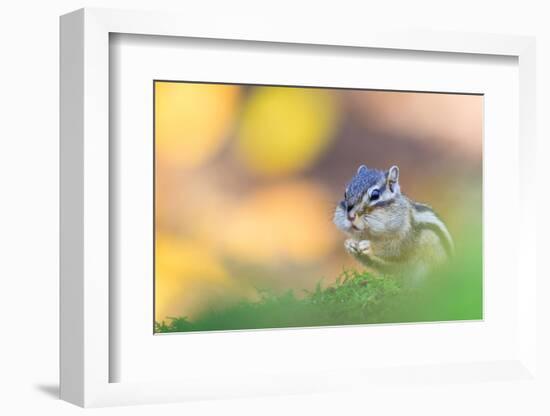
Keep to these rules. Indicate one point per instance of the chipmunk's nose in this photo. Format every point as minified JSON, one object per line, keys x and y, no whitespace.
{"x":349,"y":208}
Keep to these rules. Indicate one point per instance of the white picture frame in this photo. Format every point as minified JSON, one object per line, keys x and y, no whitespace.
{"x":86,"y":356}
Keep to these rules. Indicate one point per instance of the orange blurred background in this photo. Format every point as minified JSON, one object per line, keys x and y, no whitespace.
{"x":247,"y":178}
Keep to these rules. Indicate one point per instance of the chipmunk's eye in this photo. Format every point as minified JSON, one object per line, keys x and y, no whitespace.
{"x":374,"y":195}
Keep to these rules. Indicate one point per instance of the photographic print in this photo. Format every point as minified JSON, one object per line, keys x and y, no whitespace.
{"x":291,"y":206}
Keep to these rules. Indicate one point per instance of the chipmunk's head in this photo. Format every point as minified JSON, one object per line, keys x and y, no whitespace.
{"x":367,"y":201}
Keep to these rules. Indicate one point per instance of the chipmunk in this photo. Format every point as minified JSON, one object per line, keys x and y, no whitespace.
{"x":389,"y":233}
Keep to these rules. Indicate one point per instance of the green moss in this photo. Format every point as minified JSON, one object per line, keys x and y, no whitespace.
{"x":355,"y":298}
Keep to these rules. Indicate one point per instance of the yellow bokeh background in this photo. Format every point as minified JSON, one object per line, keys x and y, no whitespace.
{"x":185,"y":268}
{"x":191,"y":121}
{"x":284,"y":130}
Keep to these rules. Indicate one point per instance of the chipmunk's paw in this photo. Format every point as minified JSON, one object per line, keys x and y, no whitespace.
{"x":355,"y":247}
{"x":363,"y":247}
{"x":351,"y":246}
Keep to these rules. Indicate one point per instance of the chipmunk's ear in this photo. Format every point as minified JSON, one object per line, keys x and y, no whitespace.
{"x":362,"y":168}
{"x":393,"y":176}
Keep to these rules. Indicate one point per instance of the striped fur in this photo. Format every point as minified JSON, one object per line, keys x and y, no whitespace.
{"x":425,"y":218}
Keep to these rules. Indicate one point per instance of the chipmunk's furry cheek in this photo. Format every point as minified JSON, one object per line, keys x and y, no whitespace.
{"x":387,"y":222}
{"x":359,"y":224}
{"x":374,"y":225}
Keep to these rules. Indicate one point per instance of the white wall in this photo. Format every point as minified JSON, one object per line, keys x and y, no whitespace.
{"x":29,"y":207}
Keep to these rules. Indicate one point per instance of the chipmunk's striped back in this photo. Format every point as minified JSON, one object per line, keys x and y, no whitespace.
{"x":424,"y":217}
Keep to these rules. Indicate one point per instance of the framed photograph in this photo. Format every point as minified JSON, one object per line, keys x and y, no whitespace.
{"x":258,"y":211}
